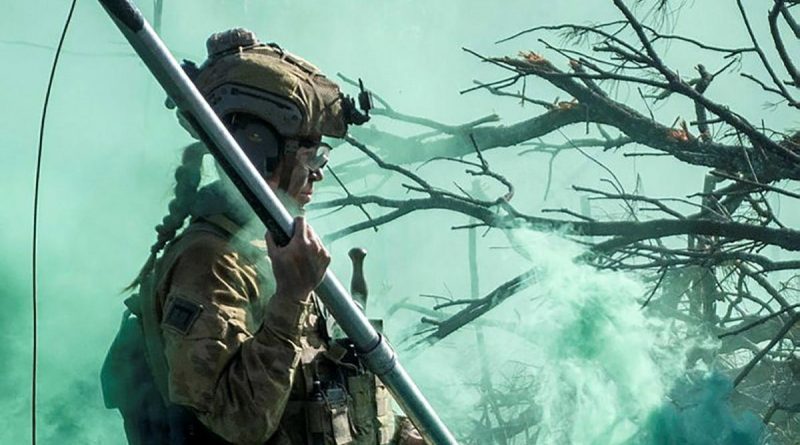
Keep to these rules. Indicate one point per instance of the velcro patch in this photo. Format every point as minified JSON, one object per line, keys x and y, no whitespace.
{"x":181,"y":314}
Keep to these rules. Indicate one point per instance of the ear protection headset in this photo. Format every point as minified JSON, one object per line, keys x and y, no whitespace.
{"x":258,"y":139}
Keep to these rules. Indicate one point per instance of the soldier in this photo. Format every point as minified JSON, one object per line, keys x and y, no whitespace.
{"x":222,"y":345}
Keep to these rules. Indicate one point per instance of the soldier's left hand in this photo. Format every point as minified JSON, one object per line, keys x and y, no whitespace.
{"x":300,"y":265}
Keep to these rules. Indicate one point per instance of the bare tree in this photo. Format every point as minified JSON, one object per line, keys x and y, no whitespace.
{"x":716,"y":266}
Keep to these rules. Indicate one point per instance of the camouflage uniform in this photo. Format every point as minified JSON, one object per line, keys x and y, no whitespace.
{"x":248,"y":366}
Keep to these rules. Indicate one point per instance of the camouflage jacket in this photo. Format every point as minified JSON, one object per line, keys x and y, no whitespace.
{"x":243,"y":361}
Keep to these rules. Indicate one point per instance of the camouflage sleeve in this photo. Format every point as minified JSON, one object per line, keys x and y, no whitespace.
{"x":236,"y":381}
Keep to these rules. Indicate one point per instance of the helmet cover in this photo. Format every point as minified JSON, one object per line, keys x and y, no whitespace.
{"x":243,"y":75}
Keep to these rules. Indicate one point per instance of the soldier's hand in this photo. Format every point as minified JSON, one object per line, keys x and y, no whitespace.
{"x":407,"y":433}
{"x":300,"y":265}
{"x":412,"y":437}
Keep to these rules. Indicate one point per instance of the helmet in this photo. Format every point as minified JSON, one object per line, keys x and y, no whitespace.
{"x":244,"y":78}
{"x":244,"y":75}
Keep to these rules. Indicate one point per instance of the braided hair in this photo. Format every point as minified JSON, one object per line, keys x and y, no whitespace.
{"x":187,"y":181}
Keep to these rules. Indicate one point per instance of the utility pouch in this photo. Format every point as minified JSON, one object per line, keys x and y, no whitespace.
{"x":362,"y":390}
{"x":340,"y":419}
{"x":384,"y":413}
{"x":371,"y":407}
{"x":328,"y":419}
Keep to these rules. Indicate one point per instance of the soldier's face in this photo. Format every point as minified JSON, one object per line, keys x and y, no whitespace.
{"x":301,"y":183}
{"x":303,"y":167}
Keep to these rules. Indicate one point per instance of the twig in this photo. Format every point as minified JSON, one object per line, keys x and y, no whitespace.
{"x":347,"y":192}
{"x":652,"y":292}
{"x":758,"y":322}
{"x":771,"y":188}
{"x":778,"y":337}
{"x":783,"y":91}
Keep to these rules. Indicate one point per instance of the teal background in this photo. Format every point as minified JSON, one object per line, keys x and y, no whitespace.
{"x":110,"y":148}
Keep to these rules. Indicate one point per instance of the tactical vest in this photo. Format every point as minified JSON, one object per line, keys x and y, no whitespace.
{"x":334,"y":400}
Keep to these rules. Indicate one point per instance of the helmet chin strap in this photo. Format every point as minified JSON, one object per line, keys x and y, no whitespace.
{"x":287,"y":167}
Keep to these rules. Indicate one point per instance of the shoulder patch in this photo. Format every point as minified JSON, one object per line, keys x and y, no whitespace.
{"x":181,"y":314}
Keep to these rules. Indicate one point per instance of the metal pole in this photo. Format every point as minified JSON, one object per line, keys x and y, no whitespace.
{"x":377,"y":354}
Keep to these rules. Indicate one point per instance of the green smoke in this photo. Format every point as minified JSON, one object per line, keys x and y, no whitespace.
{"x":602,"y":370}
{"x":15,"y":326}
{"x":700,"y":413}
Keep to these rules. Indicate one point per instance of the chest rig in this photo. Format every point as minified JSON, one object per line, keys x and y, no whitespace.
{"x":335,"y":400}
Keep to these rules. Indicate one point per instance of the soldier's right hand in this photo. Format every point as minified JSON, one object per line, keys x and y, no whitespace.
{"x":300,"y":265}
